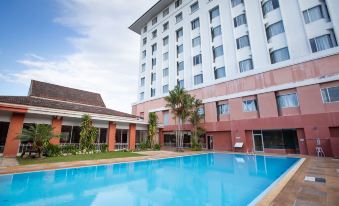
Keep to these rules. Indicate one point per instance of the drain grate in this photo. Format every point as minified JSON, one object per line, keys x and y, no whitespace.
{"x":315,"y":179}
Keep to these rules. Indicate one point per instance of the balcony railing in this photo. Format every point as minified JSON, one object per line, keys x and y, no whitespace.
{"x":76,"y":145}
{"x":25,"y":147}
{"x":121,"y":146}
{"x":99,"y":146}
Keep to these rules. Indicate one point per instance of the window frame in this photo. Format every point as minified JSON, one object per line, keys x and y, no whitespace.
{"x":287,"y":94}
{"x":194,"y":4}
{"x":322,"y":96}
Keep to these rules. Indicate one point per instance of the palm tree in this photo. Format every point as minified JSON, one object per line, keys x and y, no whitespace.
{"x":39,"y":135}
{"x":88,"y":133}
{"x":195,"y":118}
{"x":152,"y":128}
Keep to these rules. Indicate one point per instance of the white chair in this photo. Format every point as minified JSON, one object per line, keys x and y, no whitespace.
{"x":318,"y":149}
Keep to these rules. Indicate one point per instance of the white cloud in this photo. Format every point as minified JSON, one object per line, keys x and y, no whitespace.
{"x":107,"y":54}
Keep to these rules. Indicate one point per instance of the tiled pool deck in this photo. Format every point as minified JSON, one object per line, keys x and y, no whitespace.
{"x":290,"y":190}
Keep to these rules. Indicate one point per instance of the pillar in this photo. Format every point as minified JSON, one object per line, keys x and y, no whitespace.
{"x":112,"y":127}
{"x":56,"y":124}
{"x":12,"y":142}
{"x":132,"y":134}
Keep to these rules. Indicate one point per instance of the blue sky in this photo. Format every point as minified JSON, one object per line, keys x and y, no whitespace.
{"x":75,"y":43}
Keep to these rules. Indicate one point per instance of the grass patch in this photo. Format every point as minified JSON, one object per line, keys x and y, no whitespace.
{"x":70,"y":158}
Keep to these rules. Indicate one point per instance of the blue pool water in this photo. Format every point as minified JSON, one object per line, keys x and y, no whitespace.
{"x":207,"y":179}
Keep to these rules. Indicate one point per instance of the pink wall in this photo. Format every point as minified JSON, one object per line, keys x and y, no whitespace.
{"x":221,"y":140}
{"x":267,"y":105}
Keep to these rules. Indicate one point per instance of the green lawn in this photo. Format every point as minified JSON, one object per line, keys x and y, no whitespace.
{"x":70,"y":158}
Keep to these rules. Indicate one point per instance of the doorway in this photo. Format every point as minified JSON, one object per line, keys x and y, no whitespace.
{"x":258,"y":141}
{"x":210,"y":142}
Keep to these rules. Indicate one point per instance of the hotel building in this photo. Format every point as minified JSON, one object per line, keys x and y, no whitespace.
{"x":267,"y":71}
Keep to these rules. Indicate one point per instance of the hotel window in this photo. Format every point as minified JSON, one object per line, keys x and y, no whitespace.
{"x":152,"y":92}
{"x":144,"y":41}
{"x":269,"y":5}
{"x":196,"y":41}
{"x":239,"y":20}
{"x":165,"y":41}
{"x":201,"y":111}
{"x":181,"y":83}
{"x":195,"y":23}
{"x":154,"y":48}
{"x":236,"y":2}
{"x":214,"y":13}
{"x":144,"y":54}
{"x":288,"y":100}
{"x":165,"y":72}
{"x":165,"y":56}
{"x":179,"y":33}
{"x":154,"y":61}
{"x":141,"y":97}
{"x":316,"y":13}
{"x":166,"y":117}
{"x":145,"y":29}
{"x":249,"y":105}
{"x":154,"y":21}
{"x":330,"y":94}
{"x":165,"y":89}
{"x":153,"y":77}
{"x":216,"y":31}
{"x":198,"y":79}
{"x":279,"y":55}
{"x":142,"y":81}
{"x":218,"y":51}
{"x":165,"y":12}
{"x":246,"y":65}
{"x":223,"y":109}
{"x":275,"y":29}
{"x":178,"y":3}
{"x":194,"y":7}
{"x":180,"y":49}
{"x":143,"y":67}
{"x":323,"y":42}
{"x":197,"y":59}
{"x":178,"y":17}
{"x":219,"y":72}
{"x":154,"y":34}
{"x":165,"y":26}
{"x":243,"y":42}
{"x":180,"y":66}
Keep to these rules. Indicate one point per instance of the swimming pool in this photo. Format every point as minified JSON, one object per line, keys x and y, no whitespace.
{"x":206,"y":179}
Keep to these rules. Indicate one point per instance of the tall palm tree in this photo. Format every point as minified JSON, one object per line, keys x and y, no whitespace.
{"x":152,"y":128}
{"x":195,"y":118}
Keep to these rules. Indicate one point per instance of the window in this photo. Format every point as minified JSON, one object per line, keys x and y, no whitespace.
{"x":279,"y":55}
{"x":154,"y":61}
{"x":144,"y":54}
{"x":142,"y":81}
{"x":180,"y":66}
{"x":179,"y":33}
{"x":178,"y":17}
{"x":166,"y":117}
{"x":214,"y":13}
{"x":269,"y":5}
{"x":154,"y":34}
{"x":165,"y":72}
{"x":144,"y":41}
{"x":181,"y":83}
{"x":288,"y":100}
{"x":239,"y":20}
{"x":197,"y":59}
{"x":250,"y":105}
{"x":246,"y":65}
{"x":153,"y":77}
{"x":143,"y":67}
{"x":236,"y":2}
{"x":219,"y":73}
{"x":201,"y":111}
{"x":323,"y":42}
{"x":154,"y":48}
{"x":243,"y":42}
{"x":180,"y":49}
{"x":178,"y":3}
{"x":154,"y":21}
{"x":165,"y":89}
{"x":195,"y":23}
{"x":165,"y":56}
{"x":165,"y":12}
{"x":194,"y":7}
{"x":274,"y":29}
{"x":315,"y":13}
{"x":145,"y":29}
{"x":196,"y":41}
{"x":330,"y":94}
{"x":152,"y":92}
{"x":198,"y":79}
{"x":223,"y":109}
{"x":165,"y":26}
{"x":216,"y":31}
{"x":165,"y":41}
{"x":218,"y":51}
{"x":141,"y":96}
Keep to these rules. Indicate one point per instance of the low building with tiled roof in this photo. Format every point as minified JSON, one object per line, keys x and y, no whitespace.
{"x":63,"y":107}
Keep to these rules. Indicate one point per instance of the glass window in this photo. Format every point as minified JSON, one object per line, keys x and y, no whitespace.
{"x":143,"y":67}
{"x":236,"y":2}
{"x":141,"y":97}
{"x":219,"y":73}
{"x":142,"y":81}
{"x":330,"y":94}
{"x":145,"y":29}
{"x":269,"y":5}
{"x":214,"y":13}
{"x":274,"y":29}
{"x":144,"y":54}
{"x":201,"y":111}
{"x":194,"y":7}
{"x":179,"y":33}
{"x":166,"y":117}
{"x":246,"y":65}
{"x":144,"y":41}
{"x":216,"y":31}
{"x":154,"y":48}
{"x":195,"y":23}
{"x":223,"y":109}
{"x":243,"y":42}
{"x":180,"y":66}
{"x":153,"y":77}
{"x":239,"y":20}
{"x":181,"y":83}
{"x":323,"y":42}
{"x":165,"y":56}
{"x":165,"y":26}
{"x":313,"y":14}
{"x":196,"y":41}
{"x":154,"y":62}
{"x":178,"y":3}
{"x":197,"y":59}
{"x":154,"y":21}
{"x":279,"y":55}
{"x":165,"y":72}
{"x":152,"y":92}
{"x":218,"y":51}
{"x":250,"y":105}
{"x":154,"y":34}
{"x":288,"y":100}
{"x":198,"y":79}
{"x":165,"y":89}
{"x":165,"y":41}
{"x":165,"y":12}
{"x":180,"y":49}
{"x":178,"y":17}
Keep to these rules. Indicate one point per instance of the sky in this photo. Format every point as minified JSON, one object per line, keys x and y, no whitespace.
{"x":85,"y":44}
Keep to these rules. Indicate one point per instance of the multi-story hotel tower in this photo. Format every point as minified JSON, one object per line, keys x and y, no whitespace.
{"x":266,"y":70}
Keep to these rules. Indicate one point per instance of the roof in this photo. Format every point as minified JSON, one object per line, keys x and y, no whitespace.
{"x":56,"y":92}
{"x":148,"y":15}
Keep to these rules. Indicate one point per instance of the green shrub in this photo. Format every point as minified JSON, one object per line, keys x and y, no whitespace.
{"x":156,"y":147}
{"x":104,"y":148}
{"x":69,"y":149}
{"x":143,"y":145}
{"x":52,"y":150}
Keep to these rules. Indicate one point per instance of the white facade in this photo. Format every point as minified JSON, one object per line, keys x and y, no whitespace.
{"x":286,"y":45}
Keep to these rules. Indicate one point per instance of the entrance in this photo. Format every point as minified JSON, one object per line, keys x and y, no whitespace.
{"x":258,"y":141}
{"x":210,"y":142}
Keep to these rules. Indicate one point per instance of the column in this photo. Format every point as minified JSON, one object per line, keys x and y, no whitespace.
{"x":132,"y":134}
{"x":111,"y":136}
{"x":56,"y":124}
{"x":15,"y":128}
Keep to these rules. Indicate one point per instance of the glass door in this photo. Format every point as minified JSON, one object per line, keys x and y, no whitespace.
{"x":258,"y":141}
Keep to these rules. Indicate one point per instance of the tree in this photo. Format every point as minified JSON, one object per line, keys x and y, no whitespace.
{"x":195,"y":118}
{"x":39,"y":135}
{"x":152,"y":128}
{"x":88,"y":133}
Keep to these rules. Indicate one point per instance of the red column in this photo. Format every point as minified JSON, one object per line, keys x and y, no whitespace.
{"x":56,"y":124}
{"x":132,"y":134}
{"x":12,"y":142}
{"x":161,"y":136}
{"x":111,"y":136}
